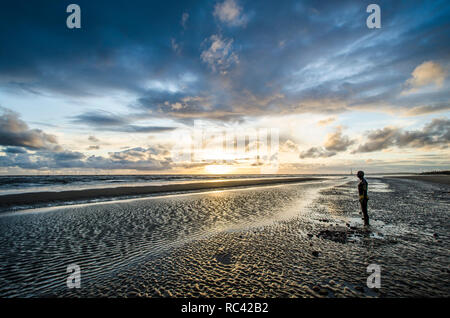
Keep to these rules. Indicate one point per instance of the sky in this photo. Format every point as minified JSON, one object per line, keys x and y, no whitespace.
{"x":129,"y":90}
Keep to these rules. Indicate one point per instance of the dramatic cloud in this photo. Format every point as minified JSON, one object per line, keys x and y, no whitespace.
{"x":106,"y":121}
{"x":379,"y":139}
{"x":425,"y":74}
{"x":139,"y":153}
{"x":65,"y":156}
{"x":319,"y":56}
{"x":230,"y":13}
{"x":189,"y":103}
{"x":15,"y":132}
{"x":14,"y":150}
{"x":96,"y":142}
{"x":99,"y":118}
{"x":93,"y":139}
{"x":338,"y":142}
{"x":326,"y":122}
{"x":43,"y":160}
{"x":435,"y":134}
{"x":428,"y":109}
{"x":186,"y":107}
{"x":142,"y":159}
{"x":334,"y":143}
{"x":219,"y":55}
{"x":231,"y":62}
{"x":316,"y":152}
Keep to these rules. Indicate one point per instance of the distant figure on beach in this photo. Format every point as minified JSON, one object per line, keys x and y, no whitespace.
{"x":363,"y":197}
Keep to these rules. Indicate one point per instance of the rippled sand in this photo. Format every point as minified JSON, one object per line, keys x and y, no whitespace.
{"x":295,"y":240}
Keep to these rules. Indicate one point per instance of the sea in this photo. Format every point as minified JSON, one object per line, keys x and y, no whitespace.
{"x":40,"y":183}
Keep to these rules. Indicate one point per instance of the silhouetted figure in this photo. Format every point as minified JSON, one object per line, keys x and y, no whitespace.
{"x":363,"y":197}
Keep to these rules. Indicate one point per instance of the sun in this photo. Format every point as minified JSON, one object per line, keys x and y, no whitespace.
{"x":218,"y":169}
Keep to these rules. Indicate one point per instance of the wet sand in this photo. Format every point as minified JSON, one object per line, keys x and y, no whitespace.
{"x":77,"y":195}
{"x":292,"y":240}
{"x":442,"y":179}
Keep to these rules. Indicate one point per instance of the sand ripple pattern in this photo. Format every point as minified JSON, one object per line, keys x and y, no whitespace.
{"x":106,"y":239}
{"x":292,"y":257}
{"x":302,"y":240}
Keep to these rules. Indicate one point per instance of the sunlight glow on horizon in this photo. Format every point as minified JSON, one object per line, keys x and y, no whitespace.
{"x":218,"y":169}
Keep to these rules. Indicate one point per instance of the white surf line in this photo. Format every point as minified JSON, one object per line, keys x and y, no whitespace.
{"x":129,"y":184}
{"x":162,"y":196}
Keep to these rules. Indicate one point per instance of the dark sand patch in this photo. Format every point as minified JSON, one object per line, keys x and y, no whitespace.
{"x":336,"y":235}
{"x":224,"y":258}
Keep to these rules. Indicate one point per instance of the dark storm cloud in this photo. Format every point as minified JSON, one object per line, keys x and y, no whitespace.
{"x":99,"y":118}
{"x":145,"y":129}
{"x":14,"y":150}
{"x":257,"y":58}
{"x":44,"y":153}
{"x":316,"y":152}
{"x":143,"y":159}
{"x":107,"y":121}
{"x":435,"y":134}
{"x":118,"y":45}
{"x":15,"y":132}
{"x":187,"y":107}
{"x":428,"y":109}
{"x":43,"y":160}
{"x":335,"y":142}
{"x":66,"y":156}
{"x":379,"y":139}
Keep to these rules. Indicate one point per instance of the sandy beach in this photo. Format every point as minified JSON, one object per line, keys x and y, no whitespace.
{"x":35,"y":198}
{"x":290,"y":240}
